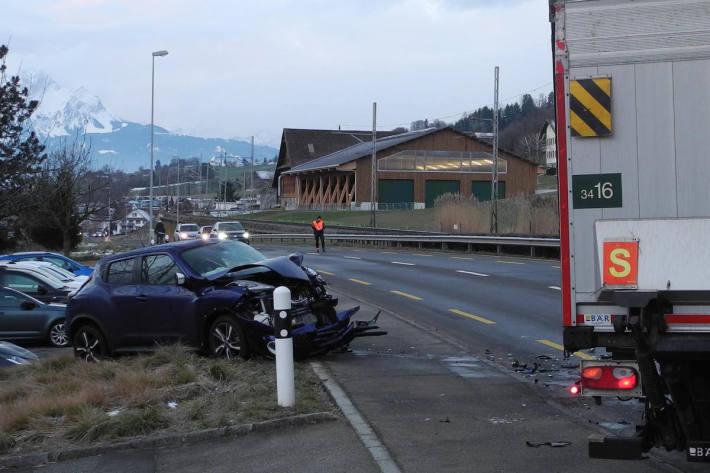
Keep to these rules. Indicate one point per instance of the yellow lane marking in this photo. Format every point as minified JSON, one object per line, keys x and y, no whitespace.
{"x":460,"y":257}
{"x":471,"y":316}
{"x":420,"y":254}
{"x":407,"y":295}
{"x":508,"y":262}
{"x":360,"y":282}
{"x":561,"y":348}
{"x":325,"y":272}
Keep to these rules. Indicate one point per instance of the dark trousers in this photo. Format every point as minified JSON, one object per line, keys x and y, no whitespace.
{"x":319,"y":236}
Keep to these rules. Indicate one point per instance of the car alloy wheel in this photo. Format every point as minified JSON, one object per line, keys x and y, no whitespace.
{"x":226,"y":339}
{"x":89,"y":344}
{"x":58,"y":335}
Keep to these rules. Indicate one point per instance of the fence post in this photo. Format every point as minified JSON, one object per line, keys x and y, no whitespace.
{"x":285,"y":386}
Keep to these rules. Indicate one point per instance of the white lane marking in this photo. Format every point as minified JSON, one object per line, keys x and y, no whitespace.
{"x":352,"y":257}
{"x":399,"y":262}
{"x":367,"y":435}
{"x":555,"y":288}
{"x":311,"y":253}
{"x":472,"y":273}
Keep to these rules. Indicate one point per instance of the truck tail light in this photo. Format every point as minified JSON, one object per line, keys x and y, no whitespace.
{"x":609,"y":377}
{"x":574,"y":389}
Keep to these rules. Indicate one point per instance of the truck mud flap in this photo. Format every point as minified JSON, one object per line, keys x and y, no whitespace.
{"x":615,"y":448}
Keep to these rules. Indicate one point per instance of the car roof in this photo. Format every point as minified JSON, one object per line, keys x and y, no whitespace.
{"x":53,"y":281}
{"x":174,"y":247}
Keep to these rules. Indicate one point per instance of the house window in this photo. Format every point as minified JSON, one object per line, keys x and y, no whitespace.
{"x":441,"y":161}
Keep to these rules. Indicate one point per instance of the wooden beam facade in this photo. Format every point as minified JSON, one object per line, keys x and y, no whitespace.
{"x":334,"y":188}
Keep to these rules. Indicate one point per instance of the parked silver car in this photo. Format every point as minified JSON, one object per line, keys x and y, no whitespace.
{"x":186,"y":231}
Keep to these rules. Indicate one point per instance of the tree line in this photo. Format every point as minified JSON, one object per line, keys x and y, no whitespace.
{"x":519,"y":124}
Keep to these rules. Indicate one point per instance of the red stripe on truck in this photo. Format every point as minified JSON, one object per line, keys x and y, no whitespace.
{"x":687,"y":319}
{"x":563,"y":186}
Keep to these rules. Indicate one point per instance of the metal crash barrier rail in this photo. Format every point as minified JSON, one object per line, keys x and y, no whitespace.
{"x":446,"y":241}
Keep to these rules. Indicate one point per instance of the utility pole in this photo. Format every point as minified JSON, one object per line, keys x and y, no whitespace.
{"x":177,"y":200}
{"x":251,"y":178}
{"x":373,"y":172}
{"x":494,"y":174}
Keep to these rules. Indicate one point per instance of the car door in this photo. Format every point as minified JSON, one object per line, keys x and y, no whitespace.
{"x":16,"y":321}
{"x":166,"y":307}
{"x":122,"y":287}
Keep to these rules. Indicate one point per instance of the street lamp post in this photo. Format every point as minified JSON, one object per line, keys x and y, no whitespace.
{"x":152,"y":108}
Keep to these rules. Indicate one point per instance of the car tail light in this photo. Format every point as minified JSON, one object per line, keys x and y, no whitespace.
{"x":609,"y":377}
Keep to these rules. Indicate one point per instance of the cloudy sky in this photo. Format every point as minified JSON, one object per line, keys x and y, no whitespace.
{"x":242,"y":67}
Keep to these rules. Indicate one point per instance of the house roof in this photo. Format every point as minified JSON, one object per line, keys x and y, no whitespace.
{"x":299,"y":145}
{"x":359,"y":150}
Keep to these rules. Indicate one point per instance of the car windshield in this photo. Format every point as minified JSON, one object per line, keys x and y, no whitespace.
{"x":211,"y":260}
{"x":188,"y":227}
{"x":231,"y":227}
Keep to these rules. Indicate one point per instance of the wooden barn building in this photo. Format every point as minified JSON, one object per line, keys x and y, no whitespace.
{"x":413,"y":169}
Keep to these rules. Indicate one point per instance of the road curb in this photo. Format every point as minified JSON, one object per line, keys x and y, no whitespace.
{"x":167,"y":440}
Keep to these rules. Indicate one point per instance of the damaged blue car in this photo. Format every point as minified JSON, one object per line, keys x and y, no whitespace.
{"x":212,"y":294}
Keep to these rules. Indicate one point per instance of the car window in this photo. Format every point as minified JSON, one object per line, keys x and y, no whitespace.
{"x":209,"y":260}
{"x":188,"y":228}
{"x":158,"y":269}
{"x":19,"y":282}
{"x":231,"y":227}
{"x":10,"y":299}
{"x":120,"y":272}
{"x":60,"y":262}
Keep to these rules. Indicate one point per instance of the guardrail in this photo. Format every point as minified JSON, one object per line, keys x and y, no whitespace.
{"x":470,"y":242}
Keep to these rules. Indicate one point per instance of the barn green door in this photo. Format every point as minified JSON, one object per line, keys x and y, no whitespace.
{"x":436,"y":188}
{"x":393,"y":193}
{"x":481,"y":190}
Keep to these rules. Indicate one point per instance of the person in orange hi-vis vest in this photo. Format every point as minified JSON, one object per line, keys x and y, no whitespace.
{"x":318,"y":227}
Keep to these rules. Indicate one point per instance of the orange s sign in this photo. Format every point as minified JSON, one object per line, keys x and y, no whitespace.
{"x":621,"y":263}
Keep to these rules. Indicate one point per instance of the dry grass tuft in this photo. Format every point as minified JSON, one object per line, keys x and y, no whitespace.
{"x":63,"y":401}
{"x":536,"y":215}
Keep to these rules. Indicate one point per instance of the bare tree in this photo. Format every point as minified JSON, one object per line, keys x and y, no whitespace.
{"x":68,"y":193}
{"x":533,"y":147}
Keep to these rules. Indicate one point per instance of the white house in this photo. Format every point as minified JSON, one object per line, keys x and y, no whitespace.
{"x":136,"y":219}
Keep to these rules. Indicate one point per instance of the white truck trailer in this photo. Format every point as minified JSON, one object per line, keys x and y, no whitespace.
{"x":632,"y":90}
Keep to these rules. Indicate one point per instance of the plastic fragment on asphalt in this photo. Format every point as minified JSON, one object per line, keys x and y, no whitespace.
{"x":547,"y":444}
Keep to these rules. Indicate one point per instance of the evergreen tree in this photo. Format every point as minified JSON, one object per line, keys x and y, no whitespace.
{"x":21,"y":153}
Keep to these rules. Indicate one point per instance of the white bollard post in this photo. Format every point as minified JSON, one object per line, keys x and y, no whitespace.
{"x":285,"y":387}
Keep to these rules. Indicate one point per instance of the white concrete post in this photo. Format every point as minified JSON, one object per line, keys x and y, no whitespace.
{"x":285,"y":386}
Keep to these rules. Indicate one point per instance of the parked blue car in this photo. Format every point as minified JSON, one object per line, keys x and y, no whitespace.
{"x":24,"y":318}
{"x":214,"y":294}
{"x":54,"y":258}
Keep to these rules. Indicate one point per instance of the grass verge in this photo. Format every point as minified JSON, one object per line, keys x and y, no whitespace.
{"x":62,"y":402}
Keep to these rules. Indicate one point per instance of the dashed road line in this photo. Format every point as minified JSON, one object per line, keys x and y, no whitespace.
{"x":556,"y":288}
{"x":420,"y":254}
{"x":509,"y":262}
{"x":472,"y":273}
{"x":556,"y":267}
{"x":352,"y":257}
{"x":460,"y":257}
{"x":561,"y":348}
{"x":312,"y":253}
{"x":399,"y":262}
{"x":388,"y":252}
{"x":360,"y":282}
{"x":325,"y":272}
{"x":471,"y":316}
{"x":407,"y":295}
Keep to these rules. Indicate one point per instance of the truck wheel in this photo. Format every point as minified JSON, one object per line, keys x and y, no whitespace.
{"x":226,"y":339}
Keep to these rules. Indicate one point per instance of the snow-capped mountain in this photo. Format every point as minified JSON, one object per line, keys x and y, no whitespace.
{"x":64,"y":113}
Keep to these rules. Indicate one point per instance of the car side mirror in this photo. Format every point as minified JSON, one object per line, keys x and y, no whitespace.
{"x":27,"y":305}
{"x":180,"y":279}
{"x":296,"y":258}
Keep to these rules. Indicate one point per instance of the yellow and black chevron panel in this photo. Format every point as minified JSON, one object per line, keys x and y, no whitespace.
{"x":590,"y":106}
